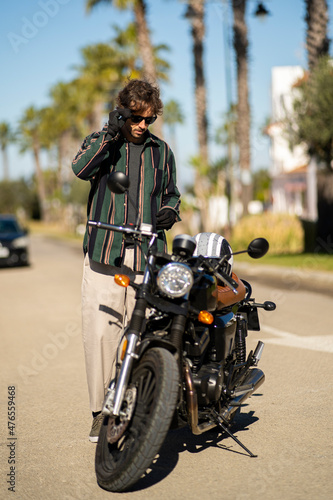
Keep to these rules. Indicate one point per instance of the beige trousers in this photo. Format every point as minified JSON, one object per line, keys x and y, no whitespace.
{"x":106,"y":309}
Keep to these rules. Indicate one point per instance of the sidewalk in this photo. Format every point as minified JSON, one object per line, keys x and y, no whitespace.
{"x":305,"y":278}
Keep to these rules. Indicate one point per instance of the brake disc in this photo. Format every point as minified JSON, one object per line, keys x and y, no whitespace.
{"x":118,"y":425}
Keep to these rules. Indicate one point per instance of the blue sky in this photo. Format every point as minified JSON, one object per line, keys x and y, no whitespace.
{"x":41,"y":41}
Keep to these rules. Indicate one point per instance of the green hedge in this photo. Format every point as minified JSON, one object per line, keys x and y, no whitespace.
{"x":283,"y":232}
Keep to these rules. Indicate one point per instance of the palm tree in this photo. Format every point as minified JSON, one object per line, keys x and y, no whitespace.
{"x":6,"y":136}
{"x":320,"y":184}
{"x":30,"y":138}
{"x":172,"y":116}
{"x":101,"y":71}
{"x":127,"y":49}
{"x":195,"y":13}
{"x":139,"y":8}
{"x":125,"y":44}
{"x":62,"y":124}
{"x":316,"y":19}
{"x":227,"y":136}
{"x":240,"y":40}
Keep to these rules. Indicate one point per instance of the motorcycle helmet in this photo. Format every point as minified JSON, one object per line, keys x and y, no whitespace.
{"x":214,"y":245}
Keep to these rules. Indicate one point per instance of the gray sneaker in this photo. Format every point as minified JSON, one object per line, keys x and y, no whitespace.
{"x":96,"y":427}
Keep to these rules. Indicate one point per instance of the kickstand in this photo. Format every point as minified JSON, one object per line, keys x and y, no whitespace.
{"x":225,"y":429}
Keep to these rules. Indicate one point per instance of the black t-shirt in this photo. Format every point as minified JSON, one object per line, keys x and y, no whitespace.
{"x":135,"y":151}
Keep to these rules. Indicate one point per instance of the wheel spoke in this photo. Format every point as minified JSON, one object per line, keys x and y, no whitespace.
{"x":146,"y":385}
{"x":149,"y":388}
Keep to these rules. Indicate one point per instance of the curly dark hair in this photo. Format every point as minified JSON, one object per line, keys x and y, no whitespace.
{"x":140,"y":95}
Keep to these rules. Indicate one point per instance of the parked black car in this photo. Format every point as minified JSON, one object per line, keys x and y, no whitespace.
{"x":13,"y":242}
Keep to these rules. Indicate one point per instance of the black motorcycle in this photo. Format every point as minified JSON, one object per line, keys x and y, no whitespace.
{"x":182,"y":360}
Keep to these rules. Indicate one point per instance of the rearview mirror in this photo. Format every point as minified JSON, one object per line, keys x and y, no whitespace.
{"x":118,"y":182}
{"x":258,"y":248}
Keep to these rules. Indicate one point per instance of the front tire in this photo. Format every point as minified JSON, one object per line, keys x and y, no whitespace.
{"x":120,"y":465}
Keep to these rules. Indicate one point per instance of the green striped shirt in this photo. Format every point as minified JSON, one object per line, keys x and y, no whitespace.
{"x":98,"y":156}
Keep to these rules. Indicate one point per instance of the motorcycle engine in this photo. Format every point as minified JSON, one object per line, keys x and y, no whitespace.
{"x":208,"y":383}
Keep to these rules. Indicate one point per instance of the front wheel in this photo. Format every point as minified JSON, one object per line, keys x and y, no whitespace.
{"x":120,"y":464}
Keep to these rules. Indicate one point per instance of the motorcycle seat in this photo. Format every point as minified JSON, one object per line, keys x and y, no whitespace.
{"x":226,"y":297}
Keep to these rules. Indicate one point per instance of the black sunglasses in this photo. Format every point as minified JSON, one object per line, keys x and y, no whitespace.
{"x":148,"y":119}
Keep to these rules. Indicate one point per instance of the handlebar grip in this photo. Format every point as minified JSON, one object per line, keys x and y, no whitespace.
{"x":269,"y":306}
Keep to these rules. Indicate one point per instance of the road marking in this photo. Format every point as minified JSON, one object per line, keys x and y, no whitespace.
{"x":323,"y":343}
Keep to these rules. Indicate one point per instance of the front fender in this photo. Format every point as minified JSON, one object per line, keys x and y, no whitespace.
{"x":156,"y":342}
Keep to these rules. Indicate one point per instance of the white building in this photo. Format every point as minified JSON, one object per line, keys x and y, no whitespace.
{"x":289,"y":167}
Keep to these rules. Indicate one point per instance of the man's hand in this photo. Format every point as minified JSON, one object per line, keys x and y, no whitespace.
{"x":165,"y":218}
{"x":117,"y":119}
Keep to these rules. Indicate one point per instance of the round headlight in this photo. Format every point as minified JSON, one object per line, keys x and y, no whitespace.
{"x":175,"y":279}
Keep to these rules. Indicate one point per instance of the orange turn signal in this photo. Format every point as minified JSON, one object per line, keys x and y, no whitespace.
{"x":205,"y":317}
{"x":122,"y":280}
{"x":123,"y":350}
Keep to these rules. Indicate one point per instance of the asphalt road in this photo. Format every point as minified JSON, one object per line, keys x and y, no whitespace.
{"x":46,"y":453}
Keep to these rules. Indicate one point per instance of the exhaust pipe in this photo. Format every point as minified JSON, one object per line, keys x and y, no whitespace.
{"x":254,"y":379}
{"x":192,"y":405}
{"x":251,"y":383}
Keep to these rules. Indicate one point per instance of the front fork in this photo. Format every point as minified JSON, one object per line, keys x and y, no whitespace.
{"x":116,"y":392}
{"x":122,"y":383}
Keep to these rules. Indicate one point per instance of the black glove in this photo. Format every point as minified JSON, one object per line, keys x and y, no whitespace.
{"x":117,"y":119}
{"x":165,"y":218}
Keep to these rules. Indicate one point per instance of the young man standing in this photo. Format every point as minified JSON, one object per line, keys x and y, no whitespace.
{"x":124,"y":144}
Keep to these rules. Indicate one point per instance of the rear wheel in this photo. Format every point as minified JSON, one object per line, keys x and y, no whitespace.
{"x":154,"y":385}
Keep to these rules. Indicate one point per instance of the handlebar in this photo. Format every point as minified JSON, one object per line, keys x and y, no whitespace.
{"x":215,"y":269}
{"x":144,"y":230}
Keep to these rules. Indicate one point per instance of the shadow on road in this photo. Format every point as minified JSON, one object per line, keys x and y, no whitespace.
{"x":180,"y":440}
